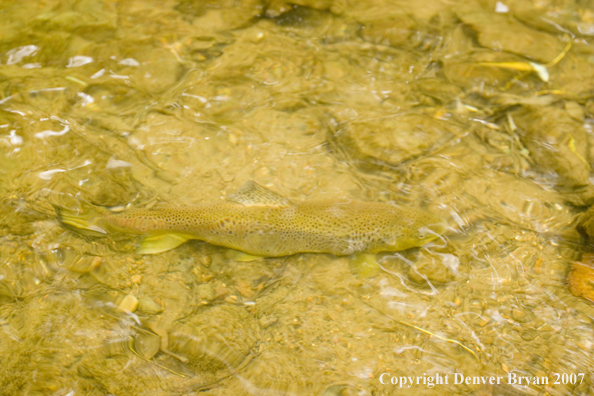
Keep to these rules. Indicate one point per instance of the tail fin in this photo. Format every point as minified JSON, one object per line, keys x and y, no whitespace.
{"x":88,"y":219}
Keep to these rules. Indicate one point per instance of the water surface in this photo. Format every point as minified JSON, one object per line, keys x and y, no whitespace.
{"x":480,"y":112}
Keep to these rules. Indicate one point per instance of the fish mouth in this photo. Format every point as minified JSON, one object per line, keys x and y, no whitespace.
{"x":431,"y":232}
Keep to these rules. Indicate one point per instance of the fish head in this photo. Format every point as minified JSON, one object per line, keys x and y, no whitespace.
{"x":429,"y":231}
{"x":416,"y":230}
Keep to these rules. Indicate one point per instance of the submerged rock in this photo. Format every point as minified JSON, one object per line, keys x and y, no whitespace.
{"x":217,"y":339}
{"x":390,"y":141}
{"x":558,"y":145}
{"x":581,"y":277}
{"x":394,"y":30}
{"x":433,"y":267}
{"x":502,"y":32}
{"x":586,"y":224}
{"x":275,"y":8}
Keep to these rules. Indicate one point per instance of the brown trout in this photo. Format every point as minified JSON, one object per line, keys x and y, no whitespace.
{"x":260,"y":222}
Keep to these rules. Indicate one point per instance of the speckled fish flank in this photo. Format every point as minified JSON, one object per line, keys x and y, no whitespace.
{"x":260,"y":222}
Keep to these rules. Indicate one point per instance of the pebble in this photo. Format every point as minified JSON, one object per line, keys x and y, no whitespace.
{"x":268,"y":320}
{"x":149,"y":306}
{"x":129,"y":303}
{"x":206,"y":292}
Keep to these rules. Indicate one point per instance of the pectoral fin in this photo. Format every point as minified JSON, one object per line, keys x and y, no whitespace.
{"x":364,"y":265}
{"x":154,"y":244}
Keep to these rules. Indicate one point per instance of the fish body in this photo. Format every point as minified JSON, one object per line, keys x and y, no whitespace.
{"x":259,"y":222}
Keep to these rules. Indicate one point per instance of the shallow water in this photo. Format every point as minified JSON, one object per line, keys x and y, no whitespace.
{"x":480,"y":112}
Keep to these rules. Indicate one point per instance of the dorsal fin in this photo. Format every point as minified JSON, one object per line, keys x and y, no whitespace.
{"x":251,"y":193}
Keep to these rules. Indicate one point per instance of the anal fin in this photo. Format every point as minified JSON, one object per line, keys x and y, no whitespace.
{"x":153,"y":244}
{"x":243,"y":257}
